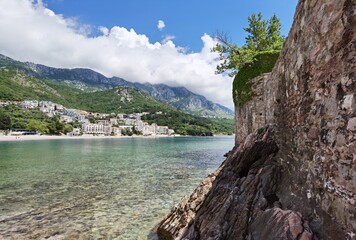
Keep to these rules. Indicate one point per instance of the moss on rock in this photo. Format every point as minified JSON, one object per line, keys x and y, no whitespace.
{"x":263,"y":63}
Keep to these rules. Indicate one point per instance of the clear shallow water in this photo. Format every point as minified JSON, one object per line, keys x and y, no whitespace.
{"x":99,"y":188}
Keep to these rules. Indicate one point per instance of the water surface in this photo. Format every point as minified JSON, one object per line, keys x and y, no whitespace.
{"x":99,"y":188}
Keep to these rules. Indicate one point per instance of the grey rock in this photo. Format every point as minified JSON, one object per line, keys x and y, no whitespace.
{"x":237,"y":200}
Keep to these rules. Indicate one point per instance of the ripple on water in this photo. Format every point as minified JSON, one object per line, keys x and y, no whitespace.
{"x":99,"y":188}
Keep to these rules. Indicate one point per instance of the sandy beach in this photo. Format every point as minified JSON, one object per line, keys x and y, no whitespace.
{"x":46,"y":137}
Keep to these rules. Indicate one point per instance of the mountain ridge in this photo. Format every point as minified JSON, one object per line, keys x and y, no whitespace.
{"x":90,"y":80}
{"x":17,"y":86}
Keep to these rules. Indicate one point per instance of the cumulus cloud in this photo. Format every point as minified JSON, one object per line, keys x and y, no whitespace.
{"x":168,"y":38}
{"x":104,"y":30}
{"x":161,"y":25}
{"x":32,"y":32}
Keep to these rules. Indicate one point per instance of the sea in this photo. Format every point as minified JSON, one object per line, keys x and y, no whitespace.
{"x":99,"y":188}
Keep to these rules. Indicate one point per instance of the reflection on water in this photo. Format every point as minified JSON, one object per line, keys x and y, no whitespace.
{"x":99,"y":188}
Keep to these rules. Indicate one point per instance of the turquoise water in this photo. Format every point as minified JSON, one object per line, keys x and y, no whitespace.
{"x":99,"y":188}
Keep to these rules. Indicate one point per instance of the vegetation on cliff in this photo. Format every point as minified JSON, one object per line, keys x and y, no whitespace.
{"x":258,"y":55}
{"x":263,"y":63}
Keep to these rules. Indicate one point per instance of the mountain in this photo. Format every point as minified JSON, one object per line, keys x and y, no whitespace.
{"x":89,"y":80}
{"x":16,"y":85}
{"x":185,"y":100}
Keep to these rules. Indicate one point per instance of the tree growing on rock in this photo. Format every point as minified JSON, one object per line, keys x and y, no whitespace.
{"x":263,"y":35}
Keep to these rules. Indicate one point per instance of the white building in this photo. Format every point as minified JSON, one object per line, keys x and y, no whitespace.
{"x":30,"y":104}
{"x":49,"y":107}
{"x":139,"y":125}
{"x":149,"y":129}
{"x":162,"y":130}
{"x":129,"y":121}
{"x":113,"y":121}
{"x":97,"y":129}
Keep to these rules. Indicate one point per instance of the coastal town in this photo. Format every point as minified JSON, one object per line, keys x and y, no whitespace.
{"x":90,"y":123}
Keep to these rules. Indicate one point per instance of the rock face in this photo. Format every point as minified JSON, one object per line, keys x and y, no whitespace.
{"x":176,"y":222}
{"x":239,"y":200}
{"x":308,"y":188}
{"x":310,"y":101}
{"x":251,"y":115}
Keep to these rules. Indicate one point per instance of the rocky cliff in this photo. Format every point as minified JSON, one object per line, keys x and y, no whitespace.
{"x":239,"y":200}
{"x":252,"y":115}
{"x":300,"y":181}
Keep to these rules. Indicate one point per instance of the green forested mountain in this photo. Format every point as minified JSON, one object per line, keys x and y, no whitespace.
{"x":17,"y":85}
{"x":89,"y":80}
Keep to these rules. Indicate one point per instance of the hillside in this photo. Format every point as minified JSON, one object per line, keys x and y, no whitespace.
{"x":17,"y":86}
{"x":89,"y":80}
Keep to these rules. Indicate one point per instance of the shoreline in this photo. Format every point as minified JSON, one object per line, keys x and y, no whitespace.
{"x":48,"y":137}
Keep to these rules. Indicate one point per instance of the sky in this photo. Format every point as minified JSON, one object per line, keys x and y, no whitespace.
{"x":156,"y":41}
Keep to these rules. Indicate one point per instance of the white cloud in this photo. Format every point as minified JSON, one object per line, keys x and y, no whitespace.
{"x":104,"y":30}
{"x":168,"y":38}
{"x":161,"y":25}
{"x":31,"y":32}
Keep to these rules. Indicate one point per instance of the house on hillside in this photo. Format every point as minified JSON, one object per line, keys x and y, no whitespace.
{"x":29,"y":104}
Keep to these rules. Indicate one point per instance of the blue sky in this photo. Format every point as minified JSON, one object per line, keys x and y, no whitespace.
{"x":122,"y":38}
{"x":186,"y":20}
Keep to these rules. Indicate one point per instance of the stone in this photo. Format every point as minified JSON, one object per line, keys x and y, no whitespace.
{"x":340,"y":140}
{"x":313,"y":134}
{"x":351,"y":125}
{"x":349,"y":102}
{"x":286,"y":224}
